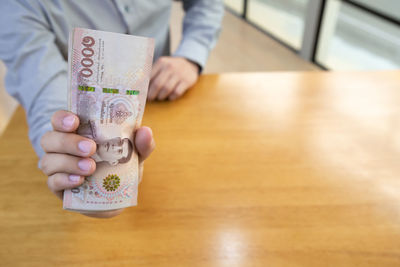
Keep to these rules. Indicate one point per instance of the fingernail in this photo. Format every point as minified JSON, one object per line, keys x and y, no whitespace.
{"x":84,"y":164}
{"x":85,"y":146}
{"x":74,"y":178}
{"x":68,"y":121}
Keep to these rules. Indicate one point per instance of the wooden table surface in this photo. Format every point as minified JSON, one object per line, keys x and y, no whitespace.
{"x":252,"y":169}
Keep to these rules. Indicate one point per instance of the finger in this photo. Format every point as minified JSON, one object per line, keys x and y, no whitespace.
{"x":58,"y":182}
{"x":64,"y":121}
{"x":156,"y":68}
{"x":67,"y":143}
{"x":179,"y":91}
{"x":144,"y":142}
{"x":169,"y":87}
{"x":157,"y":83}
{"x":52,"y":163}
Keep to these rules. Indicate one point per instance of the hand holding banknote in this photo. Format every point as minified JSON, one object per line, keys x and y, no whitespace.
{"x":68,"y":155}
{"x":107,"y":88}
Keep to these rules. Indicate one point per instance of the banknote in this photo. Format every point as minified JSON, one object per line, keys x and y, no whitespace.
{"x":108,"y":83}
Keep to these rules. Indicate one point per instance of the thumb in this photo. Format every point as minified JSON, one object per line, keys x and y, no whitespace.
{"x":144,"y":142}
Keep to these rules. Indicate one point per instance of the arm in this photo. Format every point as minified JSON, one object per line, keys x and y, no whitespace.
{"x":201,"y":27}
{"x":36,"y":70}
{"x":172,"y":76}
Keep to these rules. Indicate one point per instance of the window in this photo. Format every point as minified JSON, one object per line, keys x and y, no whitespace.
{"x":284,"y":19}
{"x":353,"y":39}
{"x":389,"y":8}
{"x":336,"y":34}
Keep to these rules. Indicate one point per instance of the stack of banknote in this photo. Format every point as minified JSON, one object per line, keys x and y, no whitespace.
{"x":108,"y":82}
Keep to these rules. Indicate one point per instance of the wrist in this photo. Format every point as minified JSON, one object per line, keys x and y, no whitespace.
{"x":195,"y":65}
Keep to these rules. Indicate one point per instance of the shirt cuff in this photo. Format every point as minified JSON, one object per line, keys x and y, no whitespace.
{"x":193,"y":51}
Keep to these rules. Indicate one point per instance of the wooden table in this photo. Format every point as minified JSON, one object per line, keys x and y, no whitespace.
{"x":258,"y":169}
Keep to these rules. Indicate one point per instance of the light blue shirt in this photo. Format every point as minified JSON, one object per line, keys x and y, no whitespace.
{"x":34,"y":43}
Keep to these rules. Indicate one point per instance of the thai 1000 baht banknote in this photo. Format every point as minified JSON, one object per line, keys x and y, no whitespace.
{"x":108,"y":83}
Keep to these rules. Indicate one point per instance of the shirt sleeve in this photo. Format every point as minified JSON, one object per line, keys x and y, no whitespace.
{"x":36,"y":71}
{"x":201,"y":27}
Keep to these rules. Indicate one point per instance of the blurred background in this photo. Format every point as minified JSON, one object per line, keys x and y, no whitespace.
{"x":292,"y":35}
{"x":333,"y":34}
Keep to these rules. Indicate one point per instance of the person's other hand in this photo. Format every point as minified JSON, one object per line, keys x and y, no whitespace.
{"x":171,"y":77}
{"x":67,"y":155}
